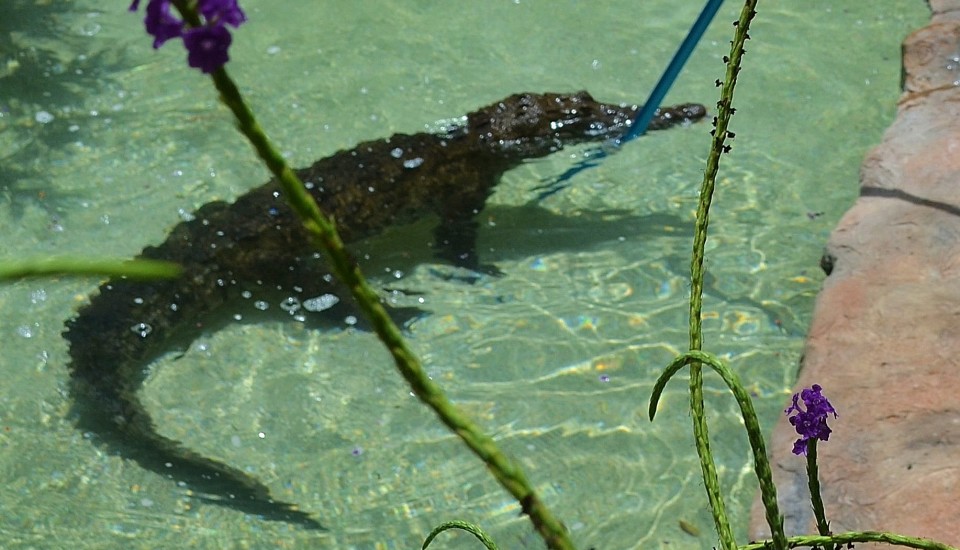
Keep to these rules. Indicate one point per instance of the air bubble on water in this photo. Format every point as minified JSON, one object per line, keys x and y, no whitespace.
{"x":413,"y":163}
{"x":396,"y":153}
{"x":38,"y":296}
{"x":350,"y":320}
{"x":237,"y":317}
{"x":291,"y":305}
{"x":185,"y":215}
{"x":261,"y":305}
{"x":138,"y":300}
{"x":320,"y":303}
{"x":246,"y":294}
{"x":43,"y":117}
{"x":25,"y":331}
{"x":397,"y":274}
{"x":90,"y":28}
{"x":143,"y":329}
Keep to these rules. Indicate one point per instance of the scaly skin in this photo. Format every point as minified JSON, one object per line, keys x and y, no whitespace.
{"x":257,"y":243}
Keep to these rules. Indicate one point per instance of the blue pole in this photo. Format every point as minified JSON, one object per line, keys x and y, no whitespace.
{"x":645,"y":115}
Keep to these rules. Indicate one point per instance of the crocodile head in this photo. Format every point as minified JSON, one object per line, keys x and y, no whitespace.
{"x":533,"y":125}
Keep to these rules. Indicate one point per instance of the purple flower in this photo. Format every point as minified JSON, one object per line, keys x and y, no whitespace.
{"x":222,"y":11}
{"x":207,"y":44}
{"x":207,"y":47}
{"x":812,"y":422}
{"x":160,"y":23}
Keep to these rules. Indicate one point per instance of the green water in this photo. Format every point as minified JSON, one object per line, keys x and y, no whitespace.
{"x":556,"y":358}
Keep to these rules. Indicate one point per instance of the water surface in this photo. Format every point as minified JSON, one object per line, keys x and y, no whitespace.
{"x":106,"y":143}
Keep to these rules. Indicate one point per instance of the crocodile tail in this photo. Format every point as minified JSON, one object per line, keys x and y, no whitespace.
{"x":112,"y":340}
{"x":205,"y":479}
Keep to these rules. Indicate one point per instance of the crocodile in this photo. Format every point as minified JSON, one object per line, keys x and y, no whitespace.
{"x":230,"y":250}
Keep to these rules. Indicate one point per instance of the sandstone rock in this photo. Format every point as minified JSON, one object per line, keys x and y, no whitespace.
{"x":885,"y":338}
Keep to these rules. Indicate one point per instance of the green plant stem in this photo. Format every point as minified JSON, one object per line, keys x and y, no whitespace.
{"x":700,"y":431}
{"x":131,"y":269}
{"x":813,"y":482}
{"x":711,"y":480}
{"x":505,"y":470}
{"x":852,"y":537}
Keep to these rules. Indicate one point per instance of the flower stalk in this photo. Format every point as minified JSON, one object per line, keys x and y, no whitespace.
{"x":504,"y":469}
{"x":813,"y":483}
{"x":720,"y":135}
{"x":809,"y":418}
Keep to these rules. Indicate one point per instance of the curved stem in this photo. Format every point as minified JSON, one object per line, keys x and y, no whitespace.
{"x":471,"y":528}
{"x":768,"y":491}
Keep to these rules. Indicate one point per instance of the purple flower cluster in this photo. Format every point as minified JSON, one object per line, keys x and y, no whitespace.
{"x":810,"y":423}
{"x":207,"y":44}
